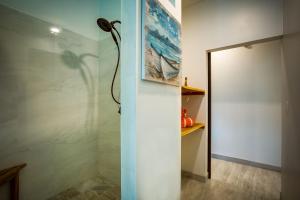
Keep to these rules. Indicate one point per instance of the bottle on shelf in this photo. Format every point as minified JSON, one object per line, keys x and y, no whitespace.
{"x":185,"y":81}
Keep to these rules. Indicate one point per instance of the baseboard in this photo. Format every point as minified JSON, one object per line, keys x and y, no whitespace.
{"x":194,"y":176}
{"x":246,"y":162}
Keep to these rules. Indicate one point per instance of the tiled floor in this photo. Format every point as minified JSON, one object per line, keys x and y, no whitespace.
{"x":232,"y":181}
{"x":96,"y":189}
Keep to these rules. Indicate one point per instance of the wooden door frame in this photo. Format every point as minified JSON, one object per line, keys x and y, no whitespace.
{"x":208,"y":56}
{"x":11,"y":176}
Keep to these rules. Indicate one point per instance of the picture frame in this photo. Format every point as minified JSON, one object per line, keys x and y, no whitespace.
{"x":161,"y":42}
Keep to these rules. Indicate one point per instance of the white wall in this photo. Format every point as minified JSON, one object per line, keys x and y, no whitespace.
{"x":217,"y":23}
{"x":150,"y":123}
{"x":246,"y":103}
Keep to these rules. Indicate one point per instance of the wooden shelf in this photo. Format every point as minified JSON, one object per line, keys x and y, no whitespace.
{"x":186,"y":90}
{"x":186,"y":131}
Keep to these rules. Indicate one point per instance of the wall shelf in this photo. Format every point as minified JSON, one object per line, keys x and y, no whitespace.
{"x":186,"y":131}
{"x":186,"y":90}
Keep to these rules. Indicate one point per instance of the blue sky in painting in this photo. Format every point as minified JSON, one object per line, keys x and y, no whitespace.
{"x":164,"y":31}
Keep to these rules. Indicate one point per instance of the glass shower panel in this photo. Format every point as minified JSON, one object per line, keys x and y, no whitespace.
{"x":56,"y":112}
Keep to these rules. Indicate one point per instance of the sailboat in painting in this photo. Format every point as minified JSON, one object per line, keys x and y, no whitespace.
{"x":166,"y":67}
{"x":170,"y":69}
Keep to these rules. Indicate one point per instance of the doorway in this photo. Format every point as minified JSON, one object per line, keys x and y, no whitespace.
{"x":241,"y":140}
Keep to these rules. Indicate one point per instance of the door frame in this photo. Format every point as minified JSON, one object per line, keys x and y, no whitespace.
{"x":208,"y":56}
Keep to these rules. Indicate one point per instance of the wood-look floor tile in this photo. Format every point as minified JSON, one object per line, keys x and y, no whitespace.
{"x":232,"y":181}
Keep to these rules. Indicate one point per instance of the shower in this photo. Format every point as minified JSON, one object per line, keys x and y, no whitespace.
{"x":66,"y":71}
{"x":107,"y":26}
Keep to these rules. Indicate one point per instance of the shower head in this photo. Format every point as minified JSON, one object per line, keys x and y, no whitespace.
{"x":104,"y":24}
{"x":107,"y":26}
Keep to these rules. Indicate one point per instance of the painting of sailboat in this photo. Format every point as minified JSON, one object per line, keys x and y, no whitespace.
{"x":161,"y":41}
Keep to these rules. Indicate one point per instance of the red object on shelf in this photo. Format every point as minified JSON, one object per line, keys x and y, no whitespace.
{"x":186,"y":121}
{"x":189,"y":122}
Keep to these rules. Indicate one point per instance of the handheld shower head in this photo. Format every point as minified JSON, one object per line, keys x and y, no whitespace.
{"x":104,"y":24}
{"x":107,"y":26}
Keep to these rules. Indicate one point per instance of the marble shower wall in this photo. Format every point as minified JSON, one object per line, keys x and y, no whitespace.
{"x":56,"y":114}
{"x":109,"y":155}
{"x":109,"y":152}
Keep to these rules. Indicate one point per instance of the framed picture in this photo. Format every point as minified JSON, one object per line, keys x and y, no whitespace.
{"x":161,"y":41}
